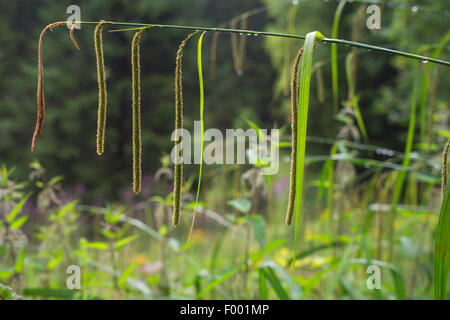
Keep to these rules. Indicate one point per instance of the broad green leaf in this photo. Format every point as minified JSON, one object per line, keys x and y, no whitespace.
{"x":55,"y":180}
{"x":258,"y":226}
{"x":127,"y":273}
{"x":97,"y":245}
{"x":18,"y":223}
{"x":125,"y":241}
{"x":242,"y":205}
{"x":16,"y":210}
{"x":67,"y":208}
{"x":18,"y":268}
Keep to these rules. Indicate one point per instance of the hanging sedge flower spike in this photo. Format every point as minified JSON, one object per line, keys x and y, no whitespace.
{"x":101,"y":78}
{"x":294,"y":128}
{"x":136,"y":84}
{"x":40,"y":84}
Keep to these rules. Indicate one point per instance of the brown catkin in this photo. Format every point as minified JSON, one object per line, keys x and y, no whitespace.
{"x":178,"y":175}
{"x":40,"y":86}
{"x":238,"y":49}
{"x":72,"y":29}
{"x":101,"y":78}
{"x":294,"y":126}
{"x":213,"y":58}
{"x":137,"y":139}
{"x":444,"y":168}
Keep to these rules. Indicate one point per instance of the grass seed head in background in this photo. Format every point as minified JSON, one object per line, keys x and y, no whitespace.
{"x":294,"y":125}
{"x":101,"y":78}
{"x":238,"y":50}
{"x":136,"y":84}
{"x":215,"y":38}
{"x":40,"y":85}
{"x":178,"y":175}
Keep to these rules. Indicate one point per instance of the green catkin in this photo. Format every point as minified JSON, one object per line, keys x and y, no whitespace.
{"x":101,"y":78}
{"x":294,"y":126}
{"x":444,"y":167}
{"x":178,"y":174}
{"x":137,"y":140}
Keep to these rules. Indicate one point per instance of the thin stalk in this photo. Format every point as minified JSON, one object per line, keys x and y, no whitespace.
{"x":277,"y":34}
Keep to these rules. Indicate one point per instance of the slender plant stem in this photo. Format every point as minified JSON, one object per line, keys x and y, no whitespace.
{"x":135,"y":26}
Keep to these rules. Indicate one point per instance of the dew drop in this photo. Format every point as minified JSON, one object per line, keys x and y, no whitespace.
{"x":415,"y":8}
{"x":425,"y":61}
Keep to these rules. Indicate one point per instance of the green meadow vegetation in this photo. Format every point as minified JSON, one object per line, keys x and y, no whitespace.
{"x":362,"y":184}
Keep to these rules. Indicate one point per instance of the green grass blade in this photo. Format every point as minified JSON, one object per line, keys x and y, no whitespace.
{"x":275,"y":282}
{"x":202,"y":103}
{"x":313,"y":250}
{"x":406,"y":160}
{"x":334,"y":66}
{"x":442,"y":248}
{"x":262,"y":285}
{"x":303,"y":103}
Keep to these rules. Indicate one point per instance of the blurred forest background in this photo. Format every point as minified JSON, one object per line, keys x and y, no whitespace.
{"x":65,"y":166}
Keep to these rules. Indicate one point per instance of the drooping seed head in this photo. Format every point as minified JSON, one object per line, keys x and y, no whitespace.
{"x":40,"y":86}
{"x":136,"y":85}
{"x":101,"y":79}
{"x":294,"y":128}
